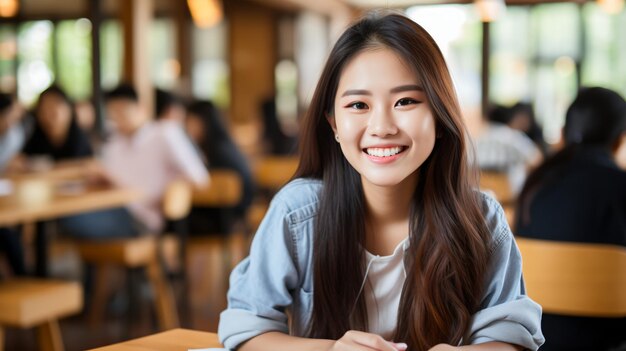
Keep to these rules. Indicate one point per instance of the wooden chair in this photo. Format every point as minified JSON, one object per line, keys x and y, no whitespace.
{"x":575,"y":279}
{"x":141,"y":252}
{"x":499,"y":185}
{"x":27,"y":303}
{"x":225,"y":190}
{"x":270,"y":174}
{"x":273,"y":172}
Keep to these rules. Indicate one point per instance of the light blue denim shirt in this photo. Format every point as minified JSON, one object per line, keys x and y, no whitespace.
{"x":277,"y":278}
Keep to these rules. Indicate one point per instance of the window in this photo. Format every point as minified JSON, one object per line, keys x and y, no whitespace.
{"x":35,"y":70}
{"x":210,"y":77}
{"x":8,"y":55}
{"x":73,"y":48}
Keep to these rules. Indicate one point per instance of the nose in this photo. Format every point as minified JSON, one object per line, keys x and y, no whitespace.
{"x":381,"y":123}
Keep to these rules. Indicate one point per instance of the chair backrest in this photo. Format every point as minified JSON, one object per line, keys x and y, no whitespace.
{"x":177,"y":200}
{"x":224,"y":190}
{"x":275,"y":171}
{"x":499,"y":184}
{"x":575,"y":279}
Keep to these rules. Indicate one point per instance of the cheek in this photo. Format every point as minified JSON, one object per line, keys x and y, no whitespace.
{"x":421,"y":128}
{"x":350,"y":127}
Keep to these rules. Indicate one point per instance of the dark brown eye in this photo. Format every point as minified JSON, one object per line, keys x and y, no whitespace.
{"x":358,"y":105}
{"x":406,"y":101}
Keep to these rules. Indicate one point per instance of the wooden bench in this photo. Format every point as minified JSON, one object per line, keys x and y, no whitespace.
{"x":27,"y":303}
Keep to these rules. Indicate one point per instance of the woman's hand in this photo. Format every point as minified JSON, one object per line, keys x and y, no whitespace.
{"x":361,"y":341}
{"x":488,"y":346}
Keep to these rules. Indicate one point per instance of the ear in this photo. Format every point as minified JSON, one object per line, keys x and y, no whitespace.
{"x":332,"y":122}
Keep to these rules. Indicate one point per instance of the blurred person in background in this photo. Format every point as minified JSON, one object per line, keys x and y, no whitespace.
{"x":275,"y":139}
{"x":57,"y":134}
{"x":521,"y":116}
{"x":169,"y":107}
{"x":87,"y":121}
{"x":140,"y":155}
{"x":14,"y":129}
{"x":13,"y":133}
{"x":579,"y":195}
{"x":206,"y":129}
{"x":500,"y":148}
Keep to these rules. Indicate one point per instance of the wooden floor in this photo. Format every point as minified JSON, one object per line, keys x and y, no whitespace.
{"x":209,"y":262}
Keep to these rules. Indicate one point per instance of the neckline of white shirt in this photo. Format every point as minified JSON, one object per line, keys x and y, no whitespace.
{"x":403,"y":245}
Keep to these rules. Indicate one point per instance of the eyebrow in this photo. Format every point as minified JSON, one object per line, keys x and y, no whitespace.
{"x":399,"y":89}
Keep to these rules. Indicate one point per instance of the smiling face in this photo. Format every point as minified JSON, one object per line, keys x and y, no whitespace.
{"x":383,"y":121}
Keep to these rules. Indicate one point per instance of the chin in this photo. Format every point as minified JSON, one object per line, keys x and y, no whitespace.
{"x":387,"y":180}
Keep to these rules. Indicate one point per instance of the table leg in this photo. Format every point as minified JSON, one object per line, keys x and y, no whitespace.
{"x":41,"y":249}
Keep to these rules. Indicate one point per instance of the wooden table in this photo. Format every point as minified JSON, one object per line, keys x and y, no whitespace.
{"x":14,"y":211}
{"x":171,"y":340}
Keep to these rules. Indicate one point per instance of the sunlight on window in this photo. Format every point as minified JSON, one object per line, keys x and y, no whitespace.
{"x":210,"y":71}
{"x":74,"y":57}
{"x":34,"y":71}
{"x":457,"y":31}
{"x":286,"y":76}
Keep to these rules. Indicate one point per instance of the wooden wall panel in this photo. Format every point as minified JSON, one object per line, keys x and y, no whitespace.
{"x":252,"y":50}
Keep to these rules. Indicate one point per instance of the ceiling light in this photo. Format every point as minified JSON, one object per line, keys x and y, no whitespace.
{"x":205,"y":13}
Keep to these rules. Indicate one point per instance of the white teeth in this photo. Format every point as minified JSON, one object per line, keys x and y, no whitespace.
{"x":386,"y":152}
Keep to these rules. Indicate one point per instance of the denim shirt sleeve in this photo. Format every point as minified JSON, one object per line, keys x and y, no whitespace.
{"x":506,"y":313}
{"x":260,"y":285}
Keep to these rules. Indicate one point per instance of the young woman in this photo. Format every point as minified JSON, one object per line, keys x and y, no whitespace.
{"x":381,"y":241}
{"x":56,"y":132}
{"x":579,"y":195}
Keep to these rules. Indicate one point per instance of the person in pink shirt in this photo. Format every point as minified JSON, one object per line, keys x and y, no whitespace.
{"x":142,"y":155}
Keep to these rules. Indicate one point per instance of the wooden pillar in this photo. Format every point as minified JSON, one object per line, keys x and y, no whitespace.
{"x":486,"y":58}
{"x":253,"y":54}
{"x":95,"y":15}
{"x":136,"y":17}
{"x":183,"y":48}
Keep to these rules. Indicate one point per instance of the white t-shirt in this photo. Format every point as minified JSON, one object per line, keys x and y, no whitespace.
{"x":385,"y":277}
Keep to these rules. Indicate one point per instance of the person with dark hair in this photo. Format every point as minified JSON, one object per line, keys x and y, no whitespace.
{"x":522,"y":118}
{"x":169,"y":107}
{"x":381,"y":241}
{"x":57,"y":134}
{"x":140,"y":155}
{"x":500,"y":148}
{"x":206,"y":129}
{"x":579,"y":195}
{"x":277,"y":142}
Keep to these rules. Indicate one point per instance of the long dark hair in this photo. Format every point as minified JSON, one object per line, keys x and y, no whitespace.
{"x":215,"y":132}
{"x":220,"y":150}
{"x":596,"y":119}
{"x":449,"y":239}
{"x":76,"y":144}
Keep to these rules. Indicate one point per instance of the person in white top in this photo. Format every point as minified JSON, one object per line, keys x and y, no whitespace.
{"x":501,"y":148}
{"x":142,"y":155}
